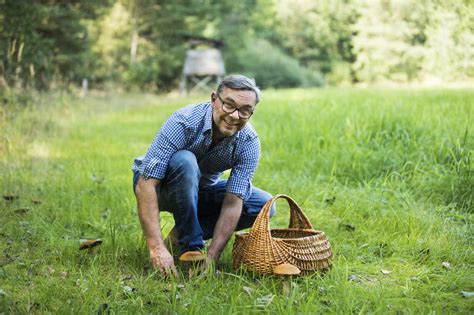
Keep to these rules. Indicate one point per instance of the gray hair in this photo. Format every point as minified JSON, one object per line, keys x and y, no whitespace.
{"x":239,"y":82}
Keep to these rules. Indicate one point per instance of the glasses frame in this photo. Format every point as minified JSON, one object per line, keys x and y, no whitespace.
{"x":235,"y":109}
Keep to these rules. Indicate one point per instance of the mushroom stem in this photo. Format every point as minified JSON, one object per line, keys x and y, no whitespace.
{"x":192,"y":260}
{"x":286,"y":270}
{"x":286,"y":286}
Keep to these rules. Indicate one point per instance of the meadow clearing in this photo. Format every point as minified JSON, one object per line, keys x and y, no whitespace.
{"x":387,"y":174}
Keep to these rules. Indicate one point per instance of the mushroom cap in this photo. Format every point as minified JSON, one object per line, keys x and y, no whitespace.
{"x":286,"y":269}
{"x":192,"y":256}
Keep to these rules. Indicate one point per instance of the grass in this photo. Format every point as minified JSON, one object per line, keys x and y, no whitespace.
{"x":387,"y":174}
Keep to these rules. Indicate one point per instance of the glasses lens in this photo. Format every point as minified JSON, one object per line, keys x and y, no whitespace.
{"x":228,"y":108}
{"x":245,"y":113}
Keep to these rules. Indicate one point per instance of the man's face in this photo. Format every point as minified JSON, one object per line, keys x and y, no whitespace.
{"x":226,"y":123}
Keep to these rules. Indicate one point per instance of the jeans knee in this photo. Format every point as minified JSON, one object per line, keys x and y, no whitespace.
{"x":183,"y":158}
{"x":184,"y":164}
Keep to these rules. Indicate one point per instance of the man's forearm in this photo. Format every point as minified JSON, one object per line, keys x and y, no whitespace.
{"x":228,"y":219}
{"x":148,"y":213}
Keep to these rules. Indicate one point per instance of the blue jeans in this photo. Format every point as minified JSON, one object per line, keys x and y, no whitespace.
{"x":195,"y":211}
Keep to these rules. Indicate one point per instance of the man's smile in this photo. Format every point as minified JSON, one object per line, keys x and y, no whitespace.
{"x":228,"y":125}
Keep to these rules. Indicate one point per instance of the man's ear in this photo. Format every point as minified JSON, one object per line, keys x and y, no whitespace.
{"x":213,"y":97}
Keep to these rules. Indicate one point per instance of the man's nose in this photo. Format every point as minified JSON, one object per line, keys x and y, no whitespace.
{"x":235,"y":114}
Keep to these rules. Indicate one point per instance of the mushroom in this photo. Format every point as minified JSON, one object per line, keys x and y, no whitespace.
{"x":192,"y":260}
{"x":286,"y":271}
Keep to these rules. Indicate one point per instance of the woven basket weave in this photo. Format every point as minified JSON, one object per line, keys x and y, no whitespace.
{"x":262,"y":249}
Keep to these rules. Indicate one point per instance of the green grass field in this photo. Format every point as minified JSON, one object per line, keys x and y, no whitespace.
{"x":387,"y":174}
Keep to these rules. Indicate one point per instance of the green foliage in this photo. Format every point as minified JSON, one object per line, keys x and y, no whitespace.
{"x":316,"y":33}
{"x":272,"y":68}
{"x":386,"y":174}
{"x":341,"y":74}
{"x":427,"y":41}
{"x":155,"y":74}
{"x":142,"y":43}
{"x":160,"y":31}
{"x":44,"y":42}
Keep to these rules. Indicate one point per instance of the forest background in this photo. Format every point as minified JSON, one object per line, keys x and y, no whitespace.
{"x":140,"y":45}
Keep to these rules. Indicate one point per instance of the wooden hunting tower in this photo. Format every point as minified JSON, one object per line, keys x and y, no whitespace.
{"x":203,"y":65}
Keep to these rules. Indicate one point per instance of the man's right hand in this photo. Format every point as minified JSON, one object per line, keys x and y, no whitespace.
{"x":163,"y":261}
{"x":147,"y":202}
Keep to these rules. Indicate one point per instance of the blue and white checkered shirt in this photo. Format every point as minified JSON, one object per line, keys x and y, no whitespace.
{"x":190,"y":128}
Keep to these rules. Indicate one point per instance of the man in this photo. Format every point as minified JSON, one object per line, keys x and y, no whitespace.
{"x":180,"y":174}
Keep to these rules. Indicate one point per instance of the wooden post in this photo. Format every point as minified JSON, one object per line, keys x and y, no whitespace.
{"x":85,"y":87}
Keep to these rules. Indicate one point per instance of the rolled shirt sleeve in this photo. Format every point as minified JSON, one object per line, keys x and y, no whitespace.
{"x":170,"y":139}
{"x":240,"y":179}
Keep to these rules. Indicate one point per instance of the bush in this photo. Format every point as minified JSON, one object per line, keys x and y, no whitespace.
{"x":159,"y":71}
{"x":340,"y":74}
{"x":273,"y":68}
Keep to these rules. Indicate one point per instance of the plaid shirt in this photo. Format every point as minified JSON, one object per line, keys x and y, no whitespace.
{"x":190,"y":128}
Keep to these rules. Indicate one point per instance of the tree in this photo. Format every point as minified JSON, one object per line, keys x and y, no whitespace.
{"x":406,"y":41}
{"x":318,"y":34}
{"x":42,"y":41}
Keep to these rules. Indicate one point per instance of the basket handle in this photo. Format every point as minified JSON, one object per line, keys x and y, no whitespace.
{"x":260,"y":237}
{"x":298,"y":219}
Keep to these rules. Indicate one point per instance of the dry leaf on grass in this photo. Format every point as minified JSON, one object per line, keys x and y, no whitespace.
{"x":21,"y":210}
{"x":10,"y":197}
{"x":347,"y":226}
{"x":89,"y":244}
{"x":330,"y":201}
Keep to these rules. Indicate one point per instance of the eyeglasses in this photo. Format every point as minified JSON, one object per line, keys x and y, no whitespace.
{"x":244,"y":112}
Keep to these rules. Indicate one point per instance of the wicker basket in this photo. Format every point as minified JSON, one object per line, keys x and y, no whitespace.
{"x":262,"y":249}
